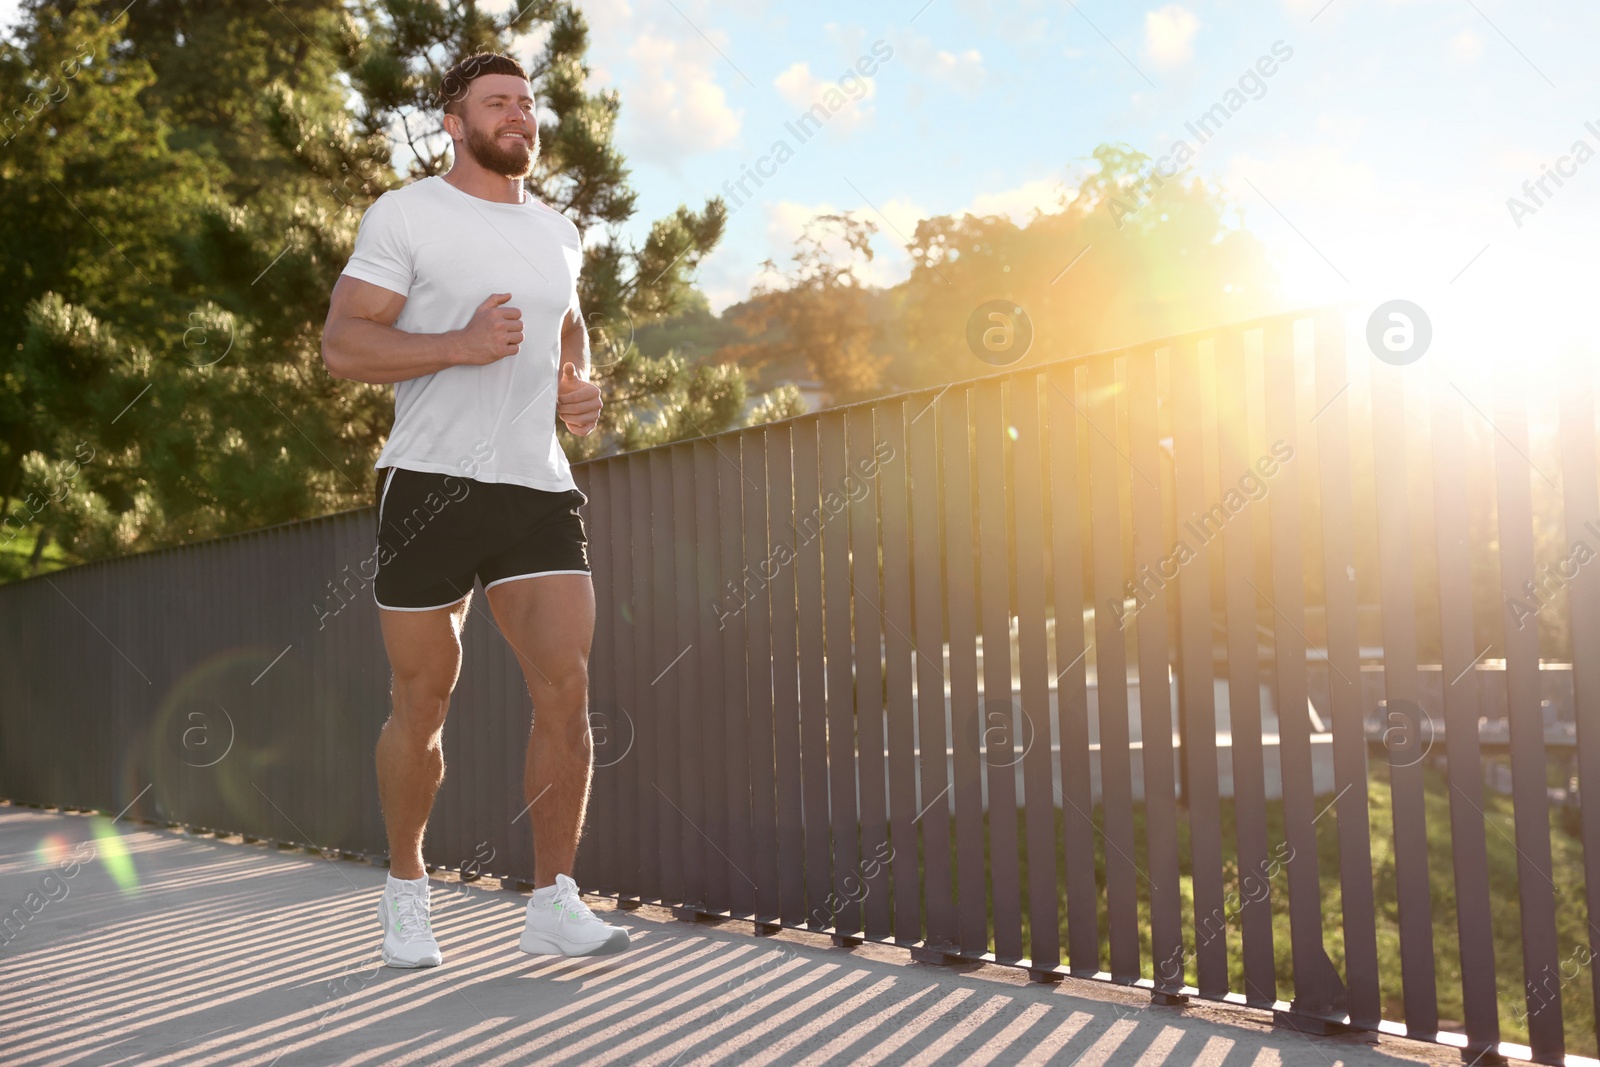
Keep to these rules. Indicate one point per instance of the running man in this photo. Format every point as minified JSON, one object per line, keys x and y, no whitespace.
{"x":462,"y":290}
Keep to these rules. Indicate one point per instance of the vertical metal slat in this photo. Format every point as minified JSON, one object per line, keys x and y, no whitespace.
{"x":1244,"y":685}
{"x":1044,"y":919}
{"x":1459,"y":655}
{"x":1530,"y":796}
{"x":1155,"y":692}
{"x":786,"y":738}
{"x":1198,"y":685}
{"x":1581,"y":507}
{"x":1111,"y":671}
{"x":752,"y":595}
{"x":955,"y":464}
{"x":893,"y":482}
{"x":1072,"y":700}
{"x":813,"y":678}
{"x":997,"y":740}
{"x":933,"y":803}
{"x":1347,"y":706}
{"x":1317,"y":988}
{"x":1405,"y":719}
{"x":839,"y":655}
{"x":733,"y":489}
{"x":873,"y":874}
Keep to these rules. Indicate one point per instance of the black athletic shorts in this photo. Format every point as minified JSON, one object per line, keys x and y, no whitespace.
{"x":436,"y":532}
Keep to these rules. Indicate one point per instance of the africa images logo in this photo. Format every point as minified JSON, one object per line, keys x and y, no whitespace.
{"x":1566,"y":167}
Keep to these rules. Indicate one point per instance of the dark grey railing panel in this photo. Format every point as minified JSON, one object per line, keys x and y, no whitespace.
{"x":1347,"y":706}
{"x":1196,"y":685}
{"x":1581,"y":508}
{"x":1469,"y":847}
{"x":934,"y":803}
{"x":1028,"y":497}
{"x":1535,"y":884}
{"x":1150,"y":544}
{"x":1067,"y":523}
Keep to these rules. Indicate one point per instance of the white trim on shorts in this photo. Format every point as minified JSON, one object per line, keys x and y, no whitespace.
{"x":535,"y":574}
{"x":436,"y":607}
{"x":388,"y":479}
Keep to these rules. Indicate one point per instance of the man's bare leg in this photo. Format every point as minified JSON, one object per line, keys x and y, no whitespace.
{"x":549,"y":621}
{"x":424,"y":650}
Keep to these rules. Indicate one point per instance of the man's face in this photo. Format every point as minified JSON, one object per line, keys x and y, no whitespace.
{"x":498,"y":123}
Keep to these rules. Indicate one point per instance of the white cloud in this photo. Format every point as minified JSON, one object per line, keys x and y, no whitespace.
{"x":786,"y":220}
{"x":963,"y":70}
{"x":896,"y":226}
{"x":902,"y":217}
{"x":603,"y":15}
{"x":1018,"y":204}
{"x":1466,"y":46}
{"x":675,"y":106}
{"x":1169,"y":35}
{"x":803,"y":89}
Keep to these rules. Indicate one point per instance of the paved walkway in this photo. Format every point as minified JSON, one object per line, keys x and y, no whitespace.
{"x":170,"y":949}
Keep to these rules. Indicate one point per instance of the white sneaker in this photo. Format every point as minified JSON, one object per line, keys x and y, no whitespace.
{"x":407,"y":934}
{"x":564,"y":925}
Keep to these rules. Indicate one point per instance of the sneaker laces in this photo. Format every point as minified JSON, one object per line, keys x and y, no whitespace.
{"x":411,"y":914}
{"x":569,"y":904}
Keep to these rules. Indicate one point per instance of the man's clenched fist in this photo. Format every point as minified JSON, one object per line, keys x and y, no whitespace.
{"x":577,"y":401}
{"x":495,"y":332}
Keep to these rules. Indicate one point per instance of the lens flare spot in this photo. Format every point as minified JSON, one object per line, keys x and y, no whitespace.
{"x":51,"y":850}
{"x":114,"y":854}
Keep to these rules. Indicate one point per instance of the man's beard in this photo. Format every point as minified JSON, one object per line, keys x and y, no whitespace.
{"x":514,"y":161}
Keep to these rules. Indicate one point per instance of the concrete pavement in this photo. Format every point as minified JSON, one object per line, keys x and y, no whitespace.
{"x":148,"y":947}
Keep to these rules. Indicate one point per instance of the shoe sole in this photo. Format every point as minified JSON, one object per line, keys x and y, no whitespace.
{"x":536,"y":945}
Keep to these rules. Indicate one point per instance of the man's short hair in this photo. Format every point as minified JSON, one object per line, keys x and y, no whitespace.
{"x":459,"y":78}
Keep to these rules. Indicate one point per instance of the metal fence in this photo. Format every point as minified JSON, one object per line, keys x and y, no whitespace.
{"x":1061,"y":667}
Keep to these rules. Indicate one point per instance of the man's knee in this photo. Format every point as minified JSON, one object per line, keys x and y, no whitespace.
{"x":560,"y":702}
{"x":421,"y":701}
{"x":565,"y":682}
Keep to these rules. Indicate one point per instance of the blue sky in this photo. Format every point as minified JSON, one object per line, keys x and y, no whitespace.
{"x":1376,"y":163}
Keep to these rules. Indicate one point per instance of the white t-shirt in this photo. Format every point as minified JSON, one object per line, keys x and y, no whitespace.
{"x":446,"y":251}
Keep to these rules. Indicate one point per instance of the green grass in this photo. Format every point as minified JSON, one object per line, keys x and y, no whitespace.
{"x":1567,"y":864}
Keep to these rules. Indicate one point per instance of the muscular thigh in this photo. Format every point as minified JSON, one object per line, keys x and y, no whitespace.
{"x":549,"y":621}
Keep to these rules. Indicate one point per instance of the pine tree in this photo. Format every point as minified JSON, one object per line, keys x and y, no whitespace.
{"x":177,"y":209}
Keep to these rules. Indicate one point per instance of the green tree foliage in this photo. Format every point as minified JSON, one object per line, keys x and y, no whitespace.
{"x":93,"y":193}
{"x":183,"y":181}
{"x":1111,"y":266}
{"x":1092,"y":276}
{"x":818,"y":312}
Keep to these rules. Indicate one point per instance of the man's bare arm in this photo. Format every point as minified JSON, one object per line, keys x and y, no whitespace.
{"x":578,"y":400}
{"x":575,"y":343}
{"x":360,"y":342}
